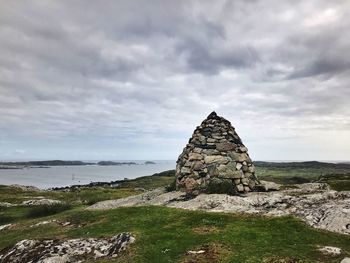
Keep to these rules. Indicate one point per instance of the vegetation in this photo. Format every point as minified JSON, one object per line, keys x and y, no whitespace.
{"x":339,"y":182}
{"x":74,"y":196}
{"x":337,"y":175}
{"x":166,"y":234}
{"x":46,"y":210}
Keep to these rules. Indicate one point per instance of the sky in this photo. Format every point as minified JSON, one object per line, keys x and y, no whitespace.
{"x":129,"y":80}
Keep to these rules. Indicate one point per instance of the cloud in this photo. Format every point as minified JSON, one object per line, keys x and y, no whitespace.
{"x":127,"y":76}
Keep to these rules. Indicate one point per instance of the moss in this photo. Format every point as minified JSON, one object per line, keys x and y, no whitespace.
{"x":220,"y":186}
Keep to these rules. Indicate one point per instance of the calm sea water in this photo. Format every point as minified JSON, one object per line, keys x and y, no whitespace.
{"x":57,"y":176}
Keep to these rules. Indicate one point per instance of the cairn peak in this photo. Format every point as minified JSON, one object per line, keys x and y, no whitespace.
{"x":215,"y":160}
{"x":212,"y":115}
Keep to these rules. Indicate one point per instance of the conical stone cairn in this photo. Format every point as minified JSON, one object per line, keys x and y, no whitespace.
{"x":215,"y":161}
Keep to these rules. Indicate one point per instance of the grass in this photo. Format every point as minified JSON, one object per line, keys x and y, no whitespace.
{"x":81,"y":195}
{"x":339,"y":182}
{"x":166,"y":234}
{"x":46,"y":210}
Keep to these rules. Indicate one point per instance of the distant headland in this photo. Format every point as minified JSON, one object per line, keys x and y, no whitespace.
{"x":47,"y":164}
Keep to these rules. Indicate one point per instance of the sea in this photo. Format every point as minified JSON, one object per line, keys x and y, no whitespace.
{"x":61,"y":176}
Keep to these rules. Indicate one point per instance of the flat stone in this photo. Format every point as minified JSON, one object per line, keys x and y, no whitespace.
{"x":197,"y":150}
{"x":225,"y":146}
{"x":245,"y":181}
{"x":211,"y":140}
{"x":239,"y":157}
{"x":215,"y":159}
{"x":239,"y":166}
{"x":195,"y":156}
{"x":185,"y":170}
{"x":197,"y":166}
{"x":240,"y":187}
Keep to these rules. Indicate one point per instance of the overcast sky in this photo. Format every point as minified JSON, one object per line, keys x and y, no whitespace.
{"x":113,"y":80}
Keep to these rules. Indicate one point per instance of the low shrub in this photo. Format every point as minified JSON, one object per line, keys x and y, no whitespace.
{"x":171,"y":187}
{"x":5,"y":219}
{"x":46,"y":210}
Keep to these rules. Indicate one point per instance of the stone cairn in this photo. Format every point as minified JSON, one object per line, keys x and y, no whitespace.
{"x":215,"y":161}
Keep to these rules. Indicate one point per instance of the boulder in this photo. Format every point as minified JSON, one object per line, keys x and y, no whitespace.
{"x":64,"y":251}
{"x":266,"y":186}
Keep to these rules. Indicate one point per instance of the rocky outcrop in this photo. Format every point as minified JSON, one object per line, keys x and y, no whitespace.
{"x":4,"y":227}
{"x":73,"y":250}
{"x":5,"y":204}
{"x":41,"y":201}
{"x":314,"y":203}
{"x":329,"y":250}
{"x":215,"y":160}
{"x":26,"y":188}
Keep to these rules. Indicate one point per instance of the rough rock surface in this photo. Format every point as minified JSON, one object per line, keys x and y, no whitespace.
{"x":4,"y":227}
{"x":215,"y":160}
{"x":42,"y":201}
{"x":26,"y":188}
{"x":312,"y":202}
{"x":330,"y":250}
{"x":5,"y":204}
{"x":73,"y":250}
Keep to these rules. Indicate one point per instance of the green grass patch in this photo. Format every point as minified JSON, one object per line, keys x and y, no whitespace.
{"x":166,"y":234}
{"x":47,"y":210}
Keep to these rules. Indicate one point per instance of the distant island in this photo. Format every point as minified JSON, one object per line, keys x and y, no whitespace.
{"x":115,"y":163}
{"x":40,"y":164}
{"x":47,"y":164}
{"x":149,"y":162}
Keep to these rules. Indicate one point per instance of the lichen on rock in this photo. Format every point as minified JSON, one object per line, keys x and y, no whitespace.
{"x":215,"y":160}
{"x":65,"y":251}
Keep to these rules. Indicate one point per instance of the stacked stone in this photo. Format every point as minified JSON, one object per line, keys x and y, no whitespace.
{"x":215,"y":160}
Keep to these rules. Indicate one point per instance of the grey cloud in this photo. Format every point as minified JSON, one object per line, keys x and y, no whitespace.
{"x":141,"y":71}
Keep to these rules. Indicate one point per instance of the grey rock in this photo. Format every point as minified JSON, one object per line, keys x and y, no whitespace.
{"x":62,"y":251}
{"x":240,"y":187}
{"x":215,"y":159}
{"x":4,"y":227}
{"x":195,"y":156}
{"x":268,"y":186}
{"x":239,"y":166}
{"x":225,"y":146}
{"x":330,"y":250}
{"x":313,"y":202}
{"x":6,"y":204}
{"x":43,"y":201}
{"x":185,"y":170}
